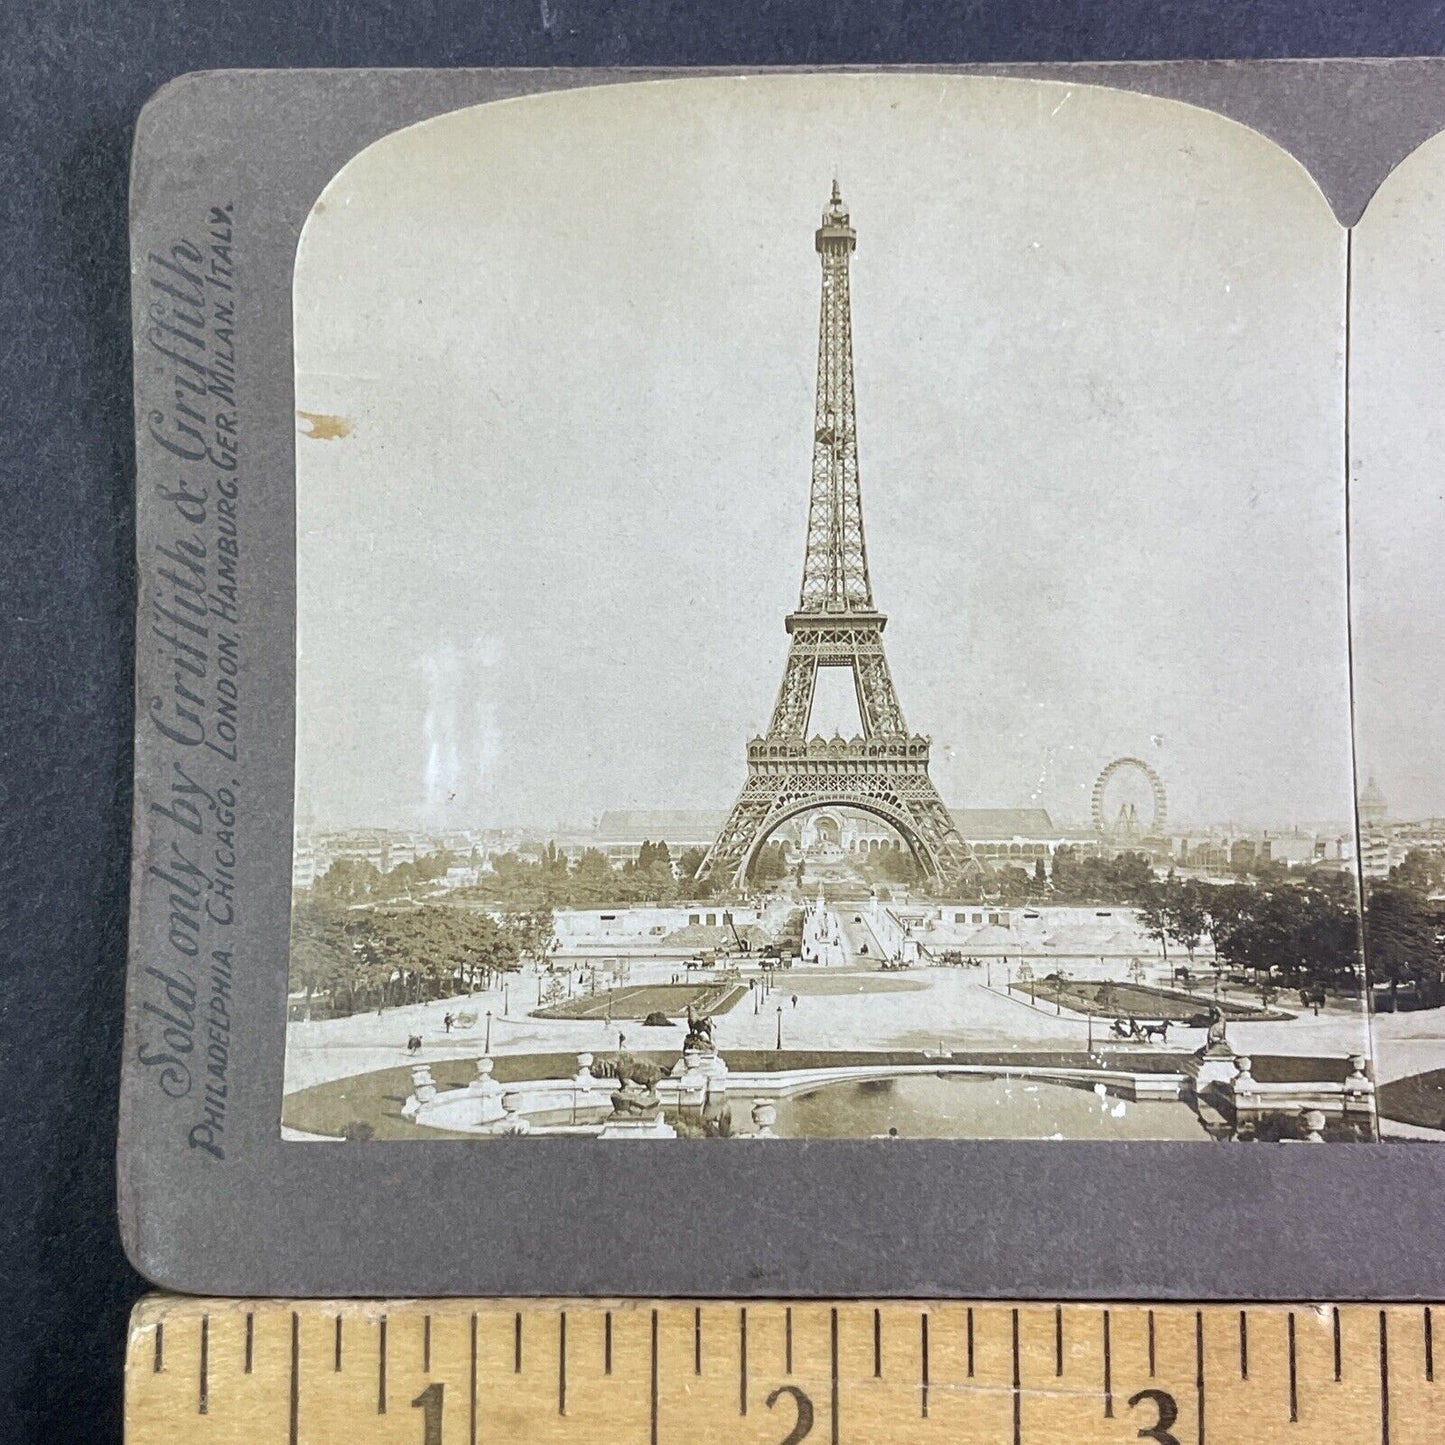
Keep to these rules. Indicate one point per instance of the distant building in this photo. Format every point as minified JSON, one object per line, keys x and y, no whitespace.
{"x":1017,"y":835}
{"x":1374,"y":810}
{"x":303,"y":865}
{"x":620,"y":833}
{"x":1387,"y":845}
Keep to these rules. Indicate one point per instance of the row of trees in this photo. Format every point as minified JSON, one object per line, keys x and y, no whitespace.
{"x":354,"y":880}
{"x":1405,"y":929}
{"x":362,"y":958}
{"x":552,"y":881}
{"x":1305,"y":930}
{"x":1304,"y":933}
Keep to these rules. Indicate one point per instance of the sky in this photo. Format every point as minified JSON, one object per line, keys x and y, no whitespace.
{"x":1397,"y":490}
{"x":1099,"y":348}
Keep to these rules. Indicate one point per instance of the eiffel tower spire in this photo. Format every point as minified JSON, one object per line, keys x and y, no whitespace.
{"x":835,"y":569}
{"x":883,"y":772}
{"x":836,"y":624}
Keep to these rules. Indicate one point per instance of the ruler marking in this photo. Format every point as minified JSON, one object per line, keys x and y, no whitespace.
{"x":742,"y":1362}
{"x":381,"y":1369}
{"x":1384,"y":1380}
{"x":923,"y":1347}
{"x":214,"y":1356}
{"x":203,"y":1400}
{"x":833,"y":1373}
{"x":1293,"y":1375}
{"x":295,"y":1407}
{"x":517,"y":1344}
{"x":562,"y":1363}
{"x":1199,"y":1368}
{"x":1108,"y":1370}
{"x":1018,"y":1394}
{"x":654,"y":1378}
{"x":697,"y":1341}
{"x":472,"y":1403}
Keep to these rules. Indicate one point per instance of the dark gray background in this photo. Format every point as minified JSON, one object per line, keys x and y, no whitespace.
{"x":74,"y":77}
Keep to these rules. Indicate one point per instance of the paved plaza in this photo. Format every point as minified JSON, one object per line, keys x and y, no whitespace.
{"x":855,"y":1006}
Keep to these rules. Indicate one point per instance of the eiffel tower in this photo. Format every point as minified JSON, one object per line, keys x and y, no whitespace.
{"x":885,"y":770}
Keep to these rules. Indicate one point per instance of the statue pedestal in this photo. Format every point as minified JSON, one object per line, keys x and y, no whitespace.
{"x":488,"y":1094}
{"x":424,"y":1090}
{"x":701,"y":1076}
{"x":657,"y":1128}
{"x":1212,"y":1069}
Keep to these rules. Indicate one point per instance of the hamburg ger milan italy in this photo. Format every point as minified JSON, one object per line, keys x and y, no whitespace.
{"x":1028,"y":813}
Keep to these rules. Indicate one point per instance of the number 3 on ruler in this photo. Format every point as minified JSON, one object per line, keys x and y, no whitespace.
{"x":1163,"y":1402}
{"x":430,"y":1400}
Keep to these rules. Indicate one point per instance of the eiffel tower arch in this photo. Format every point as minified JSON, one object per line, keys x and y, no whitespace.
{"x":884,"y":770}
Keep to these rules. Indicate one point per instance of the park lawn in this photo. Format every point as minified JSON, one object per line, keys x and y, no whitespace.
{"x":637,"y":1001}
{"x":1136,"y":1000}
{"x":1418,"y":1099}
{"x":833,"y":982}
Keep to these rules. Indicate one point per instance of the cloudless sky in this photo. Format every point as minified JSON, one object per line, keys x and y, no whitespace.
{"x":1099,"y":363}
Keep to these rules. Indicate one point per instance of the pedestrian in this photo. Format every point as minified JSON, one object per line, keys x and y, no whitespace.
{"x":795,"y":1000}
{"x":447,"y":1022}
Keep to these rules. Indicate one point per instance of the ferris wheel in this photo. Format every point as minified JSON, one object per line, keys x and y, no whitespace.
{"x":1129,"y":801}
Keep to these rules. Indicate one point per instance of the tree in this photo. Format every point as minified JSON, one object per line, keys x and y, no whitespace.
{"x":349,"y":880}
{"x":1304,"y":932}
{"x":769,"y":865}
{"x":1421,"y":872}
{"x":1153,"y":912}
{"x":321,"y":950}
{"x":1403,"y":938}
{"x":1186,"y":913}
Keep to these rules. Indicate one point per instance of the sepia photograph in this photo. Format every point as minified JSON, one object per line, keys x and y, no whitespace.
{"x":824,"y":611}
{"x":1397,"y":600}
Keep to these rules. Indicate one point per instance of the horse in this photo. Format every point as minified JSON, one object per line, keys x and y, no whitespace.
{"x":1159,"y":1031}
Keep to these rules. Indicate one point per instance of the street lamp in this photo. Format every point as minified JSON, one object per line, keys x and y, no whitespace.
{"x":780,"y":1026}
{"x":488,"y":1048}
{"x":506,"y":999}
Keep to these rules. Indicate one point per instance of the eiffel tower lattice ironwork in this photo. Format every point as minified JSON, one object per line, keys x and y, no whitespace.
{"x":884,"y":771}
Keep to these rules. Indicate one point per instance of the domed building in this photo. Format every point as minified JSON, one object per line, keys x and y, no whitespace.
{"x":1373,"y":808}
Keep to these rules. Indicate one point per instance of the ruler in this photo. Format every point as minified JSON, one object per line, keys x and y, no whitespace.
{"x":670,"y":1372}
